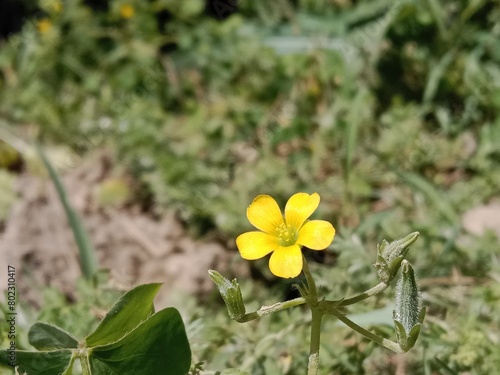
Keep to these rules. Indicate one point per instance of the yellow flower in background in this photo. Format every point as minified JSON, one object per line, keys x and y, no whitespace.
{"x":44,"y":25}
{"x":126,"y":11}
{"x":284,"y":236}
{"x":57,"y":6}
{"x":52,"y":5}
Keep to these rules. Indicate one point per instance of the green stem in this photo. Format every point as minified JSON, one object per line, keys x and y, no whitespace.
{"x":313,"y":291}
{"x":84,"y":361}
{"x":313,"y":364}
{"x":360,"y":297}
{"x":391,"y":345}
{"x":266,"y":310}
{"x":317,"y":316}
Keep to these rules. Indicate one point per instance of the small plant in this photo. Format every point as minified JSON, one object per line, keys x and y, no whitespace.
{"x":284,"y":236}
{"x":131,"y":339}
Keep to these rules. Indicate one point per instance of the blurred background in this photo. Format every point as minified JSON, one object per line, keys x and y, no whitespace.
{"x":166,"y":118}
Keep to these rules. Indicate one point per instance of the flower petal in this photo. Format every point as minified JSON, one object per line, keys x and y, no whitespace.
{"x":286,"y":262}
{"x":265,"y":214}
{"x":316,"y":234}
{"x":299,"y":207}
{"x":255,"y":245}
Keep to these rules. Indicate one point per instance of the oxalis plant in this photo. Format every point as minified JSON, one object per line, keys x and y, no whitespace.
{"x":283,"y":236}
{"x":131,"y":339}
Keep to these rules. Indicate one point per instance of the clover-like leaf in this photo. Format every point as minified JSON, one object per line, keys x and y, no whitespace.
{"x":158,"y":345}
{"x":45,"y":336}
{"x":56,"y":362}
{"x":128,"y":312}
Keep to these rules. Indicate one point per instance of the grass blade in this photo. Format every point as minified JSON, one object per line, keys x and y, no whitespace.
{"x":88,"y":259}
{"x":433,"y":195}
{"x":354,"y":121}
{"x":436,"y":75}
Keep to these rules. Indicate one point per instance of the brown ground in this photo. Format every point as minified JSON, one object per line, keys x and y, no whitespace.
{"x":135,"y":246}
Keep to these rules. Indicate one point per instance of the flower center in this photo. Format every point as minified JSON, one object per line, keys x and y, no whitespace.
{"x":286,"y":234}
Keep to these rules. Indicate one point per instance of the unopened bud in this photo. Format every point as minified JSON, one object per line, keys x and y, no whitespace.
{"x":231,"y":294}
{"x":390,"y":255}
{"x":408,"y":316}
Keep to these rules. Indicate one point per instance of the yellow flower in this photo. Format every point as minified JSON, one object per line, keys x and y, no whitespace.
{"x":127,"y":11}
{"x":44,"y":25}
{"x":52,"y":5}
{"x":284,"y":236}
{"x":57,"y":6}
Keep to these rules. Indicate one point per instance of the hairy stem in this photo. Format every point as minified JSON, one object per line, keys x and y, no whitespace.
{"x":391,"y":345}
{"x":317,"y":316}
{"x":266,"y":310}
{"x":366,"y":294}
{"x":313,"y":365}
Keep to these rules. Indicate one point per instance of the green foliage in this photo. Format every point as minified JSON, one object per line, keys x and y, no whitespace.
{"x":243,"y":119}
{"x":127,"y":313}
{"x":131,"y":339}
{"x":46,"y":337}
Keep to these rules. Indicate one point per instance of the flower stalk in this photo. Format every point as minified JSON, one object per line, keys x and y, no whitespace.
{"x":316,"y":318}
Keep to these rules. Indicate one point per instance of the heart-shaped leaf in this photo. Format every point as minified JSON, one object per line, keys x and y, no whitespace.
{"x":157,"y":346}
{"x":128,"y":312}
{"x":56,"y":362}
{"x":45,"y":336}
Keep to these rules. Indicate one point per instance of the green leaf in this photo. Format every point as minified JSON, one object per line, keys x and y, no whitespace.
{"x":127,"y":313}
{"x":157,"y":346}
{"x":55,"y":362}
{"x":45,"y":336}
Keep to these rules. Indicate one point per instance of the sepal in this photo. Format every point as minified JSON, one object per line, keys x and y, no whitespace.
{"x":407,"y":341}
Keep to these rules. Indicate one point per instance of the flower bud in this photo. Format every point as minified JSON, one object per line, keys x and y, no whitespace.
{"x":408,"y":316}
{"x":231,"y":294}
{"x":390,"y":255}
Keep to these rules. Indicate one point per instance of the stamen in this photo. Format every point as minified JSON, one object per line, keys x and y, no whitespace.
{"x":287,"y":234}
